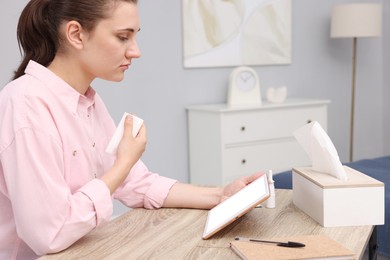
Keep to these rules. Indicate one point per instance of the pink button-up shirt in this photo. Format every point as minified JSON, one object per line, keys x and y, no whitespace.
{"x":52,"y":153}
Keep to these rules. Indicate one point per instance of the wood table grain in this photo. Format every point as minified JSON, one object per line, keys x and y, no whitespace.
{"x":177,"y":233}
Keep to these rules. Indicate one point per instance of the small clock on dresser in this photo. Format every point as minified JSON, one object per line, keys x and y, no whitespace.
{"x":244,"y":87}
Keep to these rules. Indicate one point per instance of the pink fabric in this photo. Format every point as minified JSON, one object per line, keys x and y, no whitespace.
{"x":52,"y":143}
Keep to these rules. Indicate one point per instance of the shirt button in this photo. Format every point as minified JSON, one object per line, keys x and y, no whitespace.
{"x":74,"y":153}
{"x":94,"y":144}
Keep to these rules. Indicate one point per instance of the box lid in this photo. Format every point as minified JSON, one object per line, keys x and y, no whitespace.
{"x":326,"y":181}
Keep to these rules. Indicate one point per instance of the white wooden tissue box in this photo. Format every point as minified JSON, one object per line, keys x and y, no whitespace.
{"x":332,"y":202}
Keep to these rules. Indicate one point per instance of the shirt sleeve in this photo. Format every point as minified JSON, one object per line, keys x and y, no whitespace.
{"x":143,"y":188}
{"x":48,"y":216}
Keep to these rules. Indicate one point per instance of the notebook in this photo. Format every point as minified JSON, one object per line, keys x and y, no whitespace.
{"x":316,"y":247}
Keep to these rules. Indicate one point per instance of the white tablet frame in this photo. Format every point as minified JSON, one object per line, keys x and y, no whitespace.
{"x":236,"y":206}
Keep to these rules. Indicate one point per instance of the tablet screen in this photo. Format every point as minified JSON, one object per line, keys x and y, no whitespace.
{"x":235,"y":206}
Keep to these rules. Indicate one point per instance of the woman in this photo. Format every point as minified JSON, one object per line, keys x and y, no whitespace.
{"x":56,"y":181}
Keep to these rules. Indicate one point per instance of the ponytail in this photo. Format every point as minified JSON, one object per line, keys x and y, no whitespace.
{"x":35,"y":35}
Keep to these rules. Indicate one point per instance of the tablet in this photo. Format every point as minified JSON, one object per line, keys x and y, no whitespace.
{"x":236,"y":206}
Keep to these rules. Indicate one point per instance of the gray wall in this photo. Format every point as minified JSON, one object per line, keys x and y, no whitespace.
{"x":158,"y":88}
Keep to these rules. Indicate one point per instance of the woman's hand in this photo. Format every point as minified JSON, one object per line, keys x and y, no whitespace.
{"x":129,"y":151}
{"x":237,"y":185}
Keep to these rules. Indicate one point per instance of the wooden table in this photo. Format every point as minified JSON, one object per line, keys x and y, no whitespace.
{"x":176,"y":233}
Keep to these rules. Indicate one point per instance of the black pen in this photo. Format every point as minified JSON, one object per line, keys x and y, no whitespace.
{"x":284,"y":244}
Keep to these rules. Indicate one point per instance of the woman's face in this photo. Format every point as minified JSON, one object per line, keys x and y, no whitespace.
{"x":110,"y":47}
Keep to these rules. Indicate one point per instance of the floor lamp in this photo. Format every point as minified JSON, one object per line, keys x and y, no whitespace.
{"x":355,"y":21}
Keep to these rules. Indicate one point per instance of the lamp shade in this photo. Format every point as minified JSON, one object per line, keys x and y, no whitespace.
{"x":356,"y":20}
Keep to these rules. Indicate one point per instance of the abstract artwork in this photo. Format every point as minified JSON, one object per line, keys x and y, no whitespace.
{"x":219,"y":33}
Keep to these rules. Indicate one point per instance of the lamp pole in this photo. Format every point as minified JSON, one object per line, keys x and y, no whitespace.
{"x":352,"y":99}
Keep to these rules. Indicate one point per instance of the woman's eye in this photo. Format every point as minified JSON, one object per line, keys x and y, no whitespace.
{"x":122,"y":38}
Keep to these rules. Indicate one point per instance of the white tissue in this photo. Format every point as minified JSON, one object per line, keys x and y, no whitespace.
{"x":317,"y":144}
{"x":117,"y":136}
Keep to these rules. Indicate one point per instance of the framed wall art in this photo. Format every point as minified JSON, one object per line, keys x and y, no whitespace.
{"x":219,"y":33}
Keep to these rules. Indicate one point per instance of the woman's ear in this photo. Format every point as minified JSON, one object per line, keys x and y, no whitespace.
{"x":75,"y":34}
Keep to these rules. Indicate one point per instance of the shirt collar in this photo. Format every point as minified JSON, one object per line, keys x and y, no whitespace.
{"x":57,"y":85}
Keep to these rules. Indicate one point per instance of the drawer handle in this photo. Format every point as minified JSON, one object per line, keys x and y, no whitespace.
{"x":243,"y":161}
{"x":242,"y":128}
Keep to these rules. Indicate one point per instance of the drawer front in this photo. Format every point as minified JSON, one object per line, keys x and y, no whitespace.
{"x":276,"y":156}
{"x":258,"y":125}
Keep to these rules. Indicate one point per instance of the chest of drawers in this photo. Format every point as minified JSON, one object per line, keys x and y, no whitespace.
{"x":228,"y":142}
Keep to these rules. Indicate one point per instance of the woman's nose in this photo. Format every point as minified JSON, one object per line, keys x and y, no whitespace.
{"x":133,"y":51}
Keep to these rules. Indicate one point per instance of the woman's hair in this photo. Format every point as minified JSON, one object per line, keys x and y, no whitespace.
{"x":38,"y":27}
